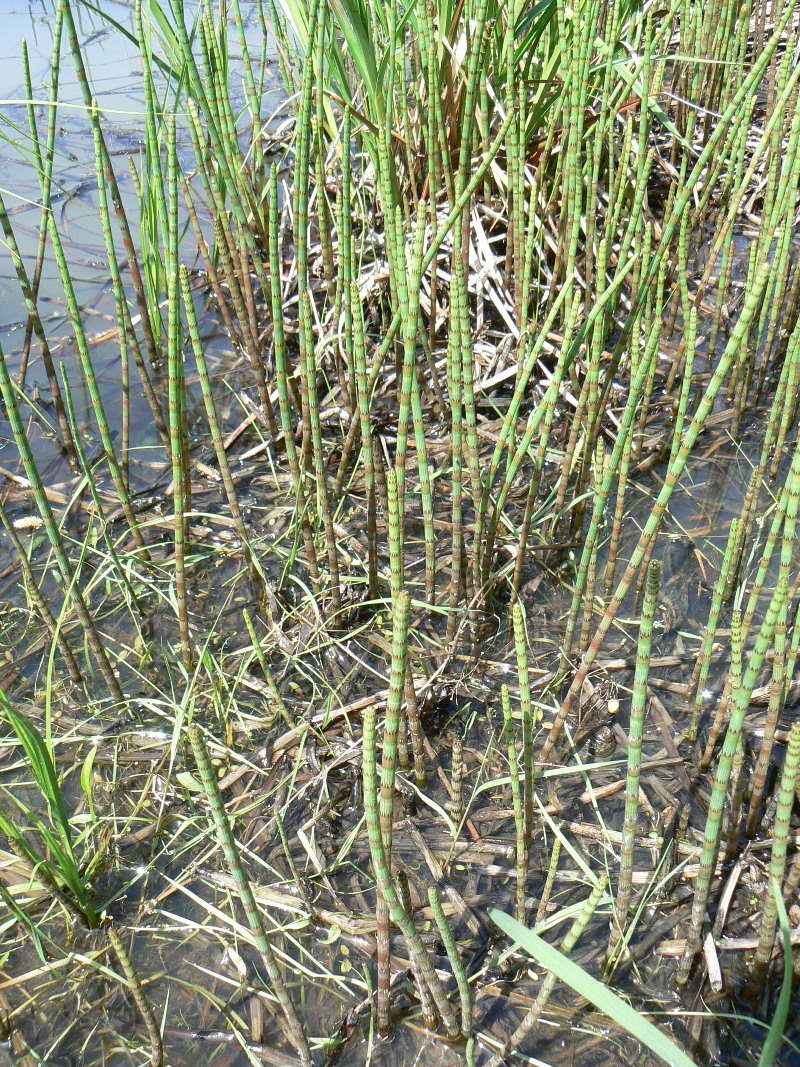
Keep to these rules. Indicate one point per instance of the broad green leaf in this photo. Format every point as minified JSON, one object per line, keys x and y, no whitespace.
{"x":600,"y":995}
{"x":43,"y":770}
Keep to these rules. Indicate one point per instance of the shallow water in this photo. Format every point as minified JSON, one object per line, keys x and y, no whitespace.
{"x":164,"y":879}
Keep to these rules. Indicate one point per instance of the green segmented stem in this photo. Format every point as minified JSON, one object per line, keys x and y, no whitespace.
{"x":383,"y":946}
{"x":362,"y":390}
{"x":92,"y":386}
{"x":737,"y":651}
{"x":457,"y":781}
{"x":225,"y":148}
{"x":210,"y":176}
{"x":676,"y":469}
{"x":777,"y":868}
{"x":689,"y":339}
{"x":733,"y":827}
{"x":43,"y":165}
{"x":410,"y":401}
{"x":460,"y":258}
{"x":237,"y":335}
{"x":174,"y":329}
{"x":384,"y":879}
{"x":602,"y":494}
{"x":113,"y":187}
{"x":396,"y":585}
{"x":708,"y":857}
{"x":177,"y":448}
{"x":451,"y":948}
{"x":743,"y":533}
{"x":282,"y":372}
{"x":54,"y":533}
{"x":732,"y":684}
{"x":256,"y":575}
{"x":752,"y":303}
{"x":523,"y":676}
{"x":517,"y":800}
{"x":344,"y":229}
{"x":547,"y":892}
{"x":217,"y":51}
{"x":791,"y":659}
{"x":380,"y":859}
{"x":433,"y":250}
{"x":302,"y":153}
{"x":427,"y":1005}
{"x":467,"y":371}
{"x":151,"y":184}
{"x":139,"y":995}
{"x":639,"y":704}
{"x":88,"y":473}
{"x":41,"y":336}
{"x":569,"y":461}
{"x":317,"y":127}
{"x":179,"y":445}
{"x":702,"y":667}
{"x":786,"y":518}
{"x":539,"y":412}
{"x":619,"y":510}
{"x":401,"y":606}
{"x":509,"y":425}
{"x":309,"y":362}
{"x":252,"y":318}
{"x":516,"y":211}
{"x":777,"y":694}
{"x":395,"y":552}
{"x":601,"y":467}
{"x":549,"y":981}
{"x":294,"y":1029}
{"x":253,"y":94}
{"x":792,"y":364}
{"x":429,"y":25}
{"x":454,"y":386}
{"x":231,"y":273}
{"x":478,"y":44}
{"x":415,"y":728}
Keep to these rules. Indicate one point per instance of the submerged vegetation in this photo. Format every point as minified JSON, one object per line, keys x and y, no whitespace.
{"x":451,"y":613}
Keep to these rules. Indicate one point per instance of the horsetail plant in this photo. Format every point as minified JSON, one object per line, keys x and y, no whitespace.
{"x":54,"y":534}
{"x":430,"y":1018}
{"x":521,"y":850}
{"x":44,"y":166}
{"x":451,"y":948}
{"x":292,"y":1024}
{"x":113,"y":186}
{"x":702,"y":666}
{"x":282,"y":373}
{"x":708,"y":857}
{"x":777,"y":696}
{"x":638,"y":710}
{"x":381,"y":861}
{"x":397,"y":678}
{"x":777,"y":869}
